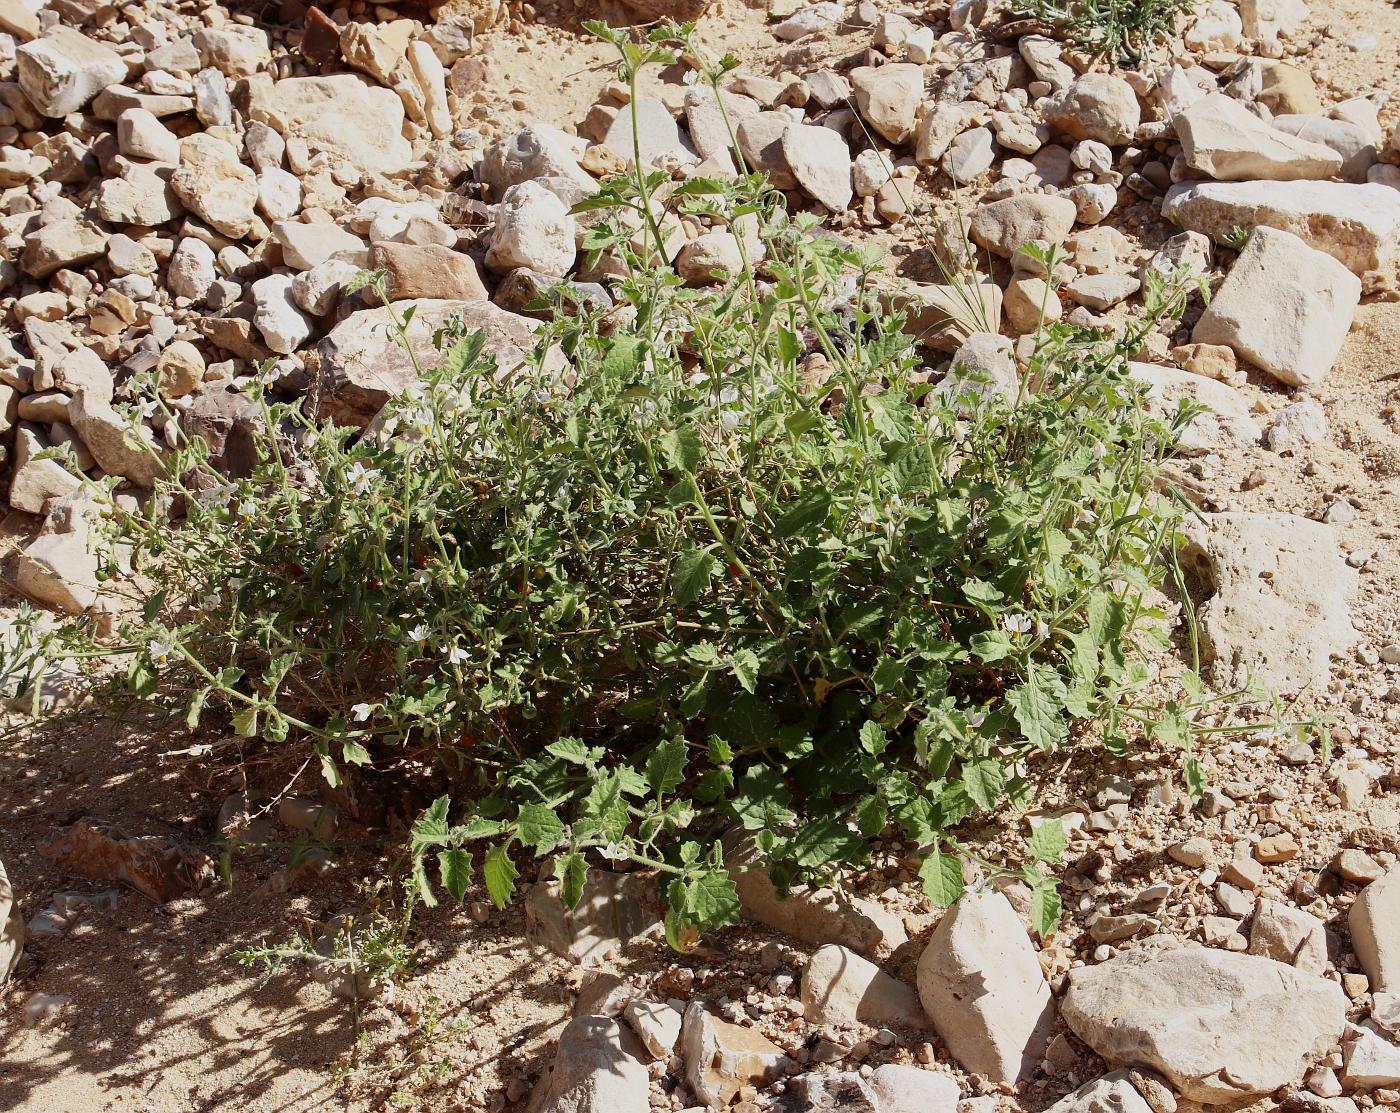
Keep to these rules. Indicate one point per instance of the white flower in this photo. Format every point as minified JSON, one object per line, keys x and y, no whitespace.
{"x":457,"y":655}
{"x":418,"y":635}
{"x":1016,"y":624}
{"x":217,"y":495}
{"x":421,"y":576}
{"x":210,"y":601}
{"x":361,"y":711}
{"x":1042,"y":628}
{"x":1273,"y":735}
{"x":159,"y":651}
{"x":235,"y":584}
{"x":246,"y":509}
{"x":360,"y":478}
{"x":612,"y":852}
{"x":1100,"y":450}
{"x":145,"y":409}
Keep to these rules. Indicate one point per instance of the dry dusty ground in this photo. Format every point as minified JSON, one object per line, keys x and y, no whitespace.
{"x":157,"y":1015}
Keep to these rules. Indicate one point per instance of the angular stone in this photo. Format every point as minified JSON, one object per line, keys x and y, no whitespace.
{"x":361,"y":368}
{"x":62,"y":243}
{"x":1221,"y":1027}
{"x":533,"y":230}
{"x":34,"y":483}
{"x":821,"y":163}
{"x":720,"y":1057}
{"x":1374,"y":921}
{"x":888,"y":97}
{"x":832,"y":1091}
{"x":1369,"y":1060}
{"x":1285,"y":307}
{"x":657,"y":134}
{"x":429,"y":271}
{"x":595,"y":1070}
{"x":984,"y":366}
{"x":1353,"y":144}
{"x":141,"y":135}
{"x":118,"y":446}
{"x":981,"y":984}
{"x":1005,"y":226}
{"x":907,"y":1089}
{"x":614,"y":908}
{"x":1358,"y":225}
{"x":343,"y":115}
{"x":1273,"y":604}
{"x":212,"y":183}
{"x":538,"y":151}
{"x":142,"y":195}
{"x":1227,"y":425}
{"x":657,"y":1026}
{"x":1287,"y":934}
{"x":858,"y":924}
{"x":308,"y":245}
{"x":761,"y":143}
{"x":1113,"y":1093}
{"x":840,"y":987}
{"x":283,"y":325}
{"x":63,"y":70}
{"x":1222,"y":138}
{"x":1098,"y":106}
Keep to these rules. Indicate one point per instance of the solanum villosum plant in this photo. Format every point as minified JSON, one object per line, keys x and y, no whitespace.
{"x":740,"y":580}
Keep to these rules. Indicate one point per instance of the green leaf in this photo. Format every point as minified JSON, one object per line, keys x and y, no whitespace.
{"x":942,"y":878}
{"x":353,"y":753}
{"x":572,"y":871}
{"x":1047,"y":841}
{"x":500,"y":874}
{"x":872,"y":738}
{"x":824,"y":842}
{"x":245,"y":723}
{"x":807,"y":512}
{"x":1036,"y":705}
{"x":712,"y":900}
{"x":682,"y":449}
{"x":538,"y":826}
{"x":571,"y":750}
{"x":624,"y":356}
{"x":1196,"y":779}
{"x":1045,"y":908}
{"x":745,"y":667}
{"x":983,"y":781}
{"x":455,"y":868}
{"x":666,"y":766}
{"x":695,"y":568}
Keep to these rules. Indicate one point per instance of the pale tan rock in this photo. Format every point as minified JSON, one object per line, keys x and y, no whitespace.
{"x":35,"y":483}
{"x":1098,"y":106}
{"x":342,"y":115}
{"x":709,"y":252}
{"x":64,"y":69}
{"x":180,"y":369}
{"x":1286,"y":307}
{"x":1004,"y":226}
{"x":720,"y":1057}
{"x":212,"y":183}
{"x":119,"y":447}
{"x":856,"y":923}
{"x":840,"y":987}
{"x":1287,"y":934}
{"x":888,"y":97}
{"x":1228,"y":424}
{"x":429,"y":271}
{"x":1222,"y":138}
{"x":1374,"y":921}
{"x":981,"y":984}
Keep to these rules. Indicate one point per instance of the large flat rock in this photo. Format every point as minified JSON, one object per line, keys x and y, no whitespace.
{"x":1222,"y":1027}
{"x":343,"y":115}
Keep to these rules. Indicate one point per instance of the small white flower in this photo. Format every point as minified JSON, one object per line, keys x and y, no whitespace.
{"x":361,"y":711}
{"x":246,"y":509}
{"x":210,"y":601}
{"x":145,"y":409}
{"x":612,"y":852}
{"x":235,"y":584}
{"x":1016,"y":624}
{"x":1100,"y":450}
{"x":361,"y":478}
{"x":1273,"y":735}
{"x":422,"y":577}
{"x":975,"y":719}
{"x":457,"y":655}
{"x":159,"y":651}
{"x":418,"y":635}
{"x":1042,"y":628}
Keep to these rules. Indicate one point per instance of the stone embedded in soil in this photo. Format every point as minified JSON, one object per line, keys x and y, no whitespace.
{"x":1227,"y":424}
{"x":11,"y":928}
{"x":64,"y":69}
{"x":360,"y":371}
{"x":981,"y":984}
{"x":159,"y":868}
{"x":888,"y":97}
{"x":1374,"y":922}
{"x":343,"y":115}
{"x":596,"y":1069}
{"x":1358,"y":225}
{"x":1369,"y":1060}
{"x":1285,"y":307}
{"x":1099,"y":106}
{"x":853,"y":922}
{"x":1113,"y":1093}
{"x":1273,"y":598}
{"x":1288,"y":934}
{"x":1223,"y":139}
{"x":821,"y":162}
{"x":908,"y":1089}
{"x":1005,"y":226}
{"x":1221,"y":1027}
{"x":840,"y":987}
{"x":657,"y":135}
{"x":830,"y":1091}
{"x":614,"y":908}
{"x":534,"y":230}
{"x":720,"y":1057}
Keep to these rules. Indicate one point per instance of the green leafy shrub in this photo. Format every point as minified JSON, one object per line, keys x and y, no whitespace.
{"x":1123,"y":30}
{"x":743,"y":569}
